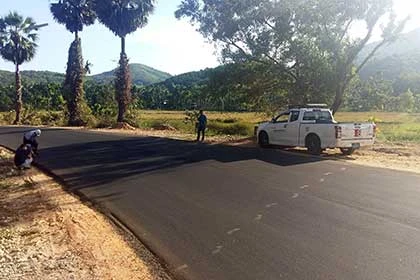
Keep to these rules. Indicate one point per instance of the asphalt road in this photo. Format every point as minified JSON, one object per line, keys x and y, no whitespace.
{"x":215,"y":212}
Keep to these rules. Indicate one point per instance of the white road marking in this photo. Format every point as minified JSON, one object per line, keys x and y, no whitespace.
{"x":304,"y":187}
{"x":343,"y":169}
{"x":217,"y":250}
{"x":258,"y":218}
{"x":328,"y":174}
{"x":296,"y":195}
{"x":322,"y":180}
{"x":232,"y":231}
{"x":271,"y":205}
{"x":182,"y":267}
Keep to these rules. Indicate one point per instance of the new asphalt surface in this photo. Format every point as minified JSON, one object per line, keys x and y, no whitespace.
{"x":217,"y":212}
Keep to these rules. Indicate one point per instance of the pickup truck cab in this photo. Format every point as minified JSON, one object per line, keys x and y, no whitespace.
{"x":315,"y":129}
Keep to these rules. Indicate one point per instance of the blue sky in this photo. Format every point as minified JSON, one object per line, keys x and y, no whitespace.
{"x":165,"y":43}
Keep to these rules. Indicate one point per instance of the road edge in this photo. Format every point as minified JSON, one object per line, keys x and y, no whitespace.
{"x":112,"y":218}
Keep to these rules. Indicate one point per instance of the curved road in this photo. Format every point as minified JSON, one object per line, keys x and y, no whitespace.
{"x":215,"y":212}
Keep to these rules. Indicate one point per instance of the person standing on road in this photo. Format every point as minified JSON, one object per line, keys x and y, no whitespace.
{"x":29,"y":138}
{"x":201,"y":126}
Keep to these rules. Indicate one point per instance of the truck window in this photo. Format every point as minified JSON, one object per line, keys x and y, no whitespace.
{"x":283,"y":118}
{"x":294,"y":116}
{"x":318,"y":116}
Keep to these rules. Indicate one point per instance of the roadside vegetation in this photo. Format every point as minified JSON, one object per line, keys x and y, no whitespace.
{"x":392,"y":126}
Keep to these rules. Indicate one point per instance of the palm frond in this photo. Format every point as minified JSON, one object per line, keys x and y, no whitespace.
{"x":74,"y":14}
{"x":13,"y":19}
{"x":123,"y":17}
{"x":17,"y":38}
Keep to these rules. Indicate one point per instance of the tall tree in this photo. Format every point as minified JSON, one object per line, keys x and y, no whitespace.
{"x":74,"y":14}
{"x":18,"y":38}
{"x":123,"y":17}
{"x":309,"y":42}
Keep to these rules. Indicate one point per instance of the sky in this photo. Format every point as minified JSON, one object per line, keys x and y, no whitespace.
{"x":167,"y":44}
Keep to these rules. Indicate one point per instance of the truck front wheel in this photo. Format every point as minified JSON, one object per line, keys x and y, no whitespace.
{"x":263,"y":139}
{"x":313,"y":143}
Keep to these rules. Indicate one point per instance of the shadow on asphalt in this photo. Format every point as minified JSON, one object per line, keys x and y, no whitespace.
{"x":92,"y":164}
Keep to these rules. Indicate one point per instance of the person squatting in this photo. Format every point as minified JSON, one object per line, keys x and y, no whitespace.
{"x":27,"y":150}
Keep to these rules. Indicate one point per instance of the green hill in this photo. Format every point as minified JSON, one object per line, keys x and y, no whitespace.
{"x":394,"y":60}
{"x":7,"y":77}
{"x":141,"y":75}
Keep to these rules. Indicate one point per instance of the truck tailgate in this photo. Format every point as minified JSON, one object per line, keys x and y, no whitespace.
{"x":357,"y":131}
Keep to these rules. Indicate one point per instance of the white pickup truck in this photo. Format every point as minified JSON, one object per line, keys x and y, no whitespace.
{"x":315,"y":129}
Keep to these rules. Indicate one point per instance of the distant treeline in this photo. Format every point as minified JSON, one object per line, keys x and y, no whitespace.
{"x":225,"y":88}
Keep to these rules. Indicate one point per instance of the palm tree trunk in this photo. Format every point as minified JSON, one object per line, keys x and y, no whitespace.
{"x":123,"y":84}
{"x":123,"y":46}
{"x":18,"y":103}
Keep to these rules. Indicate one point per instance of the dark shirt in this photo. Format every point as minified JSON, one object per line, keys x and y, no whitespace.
{"x":202,"y":121}
{"x":22,"y":154}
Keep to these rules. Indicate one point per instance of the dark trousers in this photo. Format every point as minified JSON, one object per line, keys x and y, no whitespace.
{"x":33,"y":143}
{"x":201,"y":131}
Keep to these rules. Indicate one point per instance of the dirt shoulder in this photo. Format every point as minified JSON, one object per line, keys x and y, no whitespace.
{"x":46,"y":233}
{"x":396,"y":156}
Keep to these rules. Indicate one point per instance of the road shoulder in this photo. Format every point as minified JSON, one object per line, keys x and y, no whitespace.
{"x":47,"y":233}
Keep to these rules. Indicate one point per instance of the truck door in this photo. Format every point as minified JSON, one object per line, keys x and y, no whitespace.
{"x":290,"y":137}
{"x":277,"y":128}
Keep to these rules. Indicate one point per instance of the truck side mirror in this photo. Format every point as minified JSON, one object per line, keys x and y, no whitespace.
{"x":273,"y":120}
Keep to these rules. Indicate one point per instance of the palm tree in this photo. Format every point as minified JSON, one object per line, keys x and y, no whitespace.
{"x":18,"y":38}
{"x":123,"y":17}
{"x":74,"y":14}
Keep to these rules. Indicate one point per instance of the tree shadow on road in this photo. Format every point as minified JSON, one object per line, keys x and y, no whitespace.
{"x":87,"y":165}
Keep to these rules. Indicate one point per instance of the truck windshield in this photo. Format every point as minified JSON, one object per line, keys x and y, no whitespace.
{"x":318,"y":116}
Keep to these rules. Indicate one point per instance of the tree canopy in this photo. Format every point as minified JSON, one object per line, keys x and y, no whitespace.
{"x":74,"y":14}
{"x":18,"y":37}
{"x":123,"y":17}
{"x":309,"y":42}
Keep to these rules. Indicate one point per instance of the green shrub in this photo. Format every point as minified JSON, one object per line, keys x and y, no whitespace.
{"x":7,"y":118}
{"x":240,"y":128}
{"x":42,"y":117}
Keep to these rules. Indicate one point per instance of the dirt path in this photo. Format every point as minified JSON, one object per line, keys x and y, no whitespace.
{"x":46,"y":233}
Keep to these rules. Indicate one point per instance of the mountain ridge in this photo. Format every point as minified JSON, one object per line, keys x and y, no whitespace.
{"x":141,"y":75}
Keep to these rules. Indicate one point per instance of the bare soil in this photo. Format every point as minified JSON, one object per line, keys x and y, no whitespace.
{"x":46,"y":233}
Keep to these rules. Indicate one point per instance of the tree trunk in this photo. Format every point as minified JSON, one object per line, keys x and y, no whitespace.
{"x":123,"y":46}
{"x":18,"y":103}
{"x":123,"y":84}
{"x":343,"y":79}
{"x":73,"y":84}
{"x":338,"y":100}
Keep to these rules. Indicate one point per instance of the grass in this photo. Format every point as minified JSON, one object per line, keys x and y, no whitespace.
{"x":392,"y":127}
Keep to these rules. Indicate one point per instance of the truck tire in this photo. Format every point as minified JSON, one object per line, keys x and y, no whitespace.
{"x":347,"y":151}
{"x":263,"y":140}
{"x":313,"y":143}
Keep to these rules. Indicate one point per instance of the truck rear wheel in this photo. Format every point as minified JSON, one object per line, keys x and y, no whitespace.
{"x":347,"y":151}
{"x":263,"y":139}
{"x":313,"y":143}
